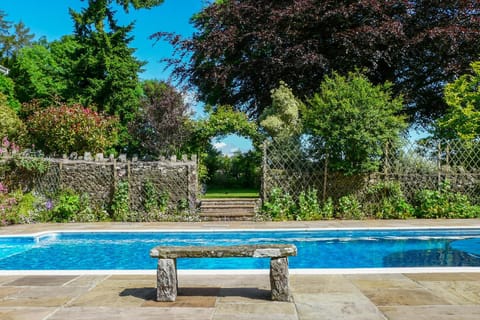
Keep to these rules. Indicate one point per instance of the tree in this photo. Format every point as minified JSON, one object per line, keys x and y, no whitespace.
{"x":43,"y":72}
{"x":7,"y":88}
{"x":163,"y":125}
{"x":462,"y":120}
{"x":106,"y":73}
{"x":11,"y":41}
{"x":243,"y":48}
{"x":350,"y":121}
{"x":282,"y":118}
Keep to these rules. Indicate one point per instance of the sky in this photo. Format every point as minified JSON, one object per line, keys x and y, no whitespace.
{"x":51,"y":19}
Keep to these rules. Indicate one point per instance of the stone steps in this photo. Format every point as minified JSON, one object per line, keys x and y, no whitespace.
{"x":228,"y":209}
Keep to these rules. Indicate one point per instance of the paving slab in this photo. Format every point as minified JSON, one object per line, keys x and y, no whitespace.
{"x":41,"y":281}
{"x":25,"y":313}
{"x":432,"y":312}
{"x":89,"y":313}
{"x":334,"y":306}
{"x":42,"y":296}
{"x":321,"y":284}
{"x":455,"y":292}
{"x":256,"y":311}
{"x":405,"y":297}
{"x":447,"y":276}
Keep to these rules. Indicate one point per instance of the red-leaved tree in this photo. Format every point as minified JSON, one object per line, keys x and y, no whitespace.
{"x":243,"y":48}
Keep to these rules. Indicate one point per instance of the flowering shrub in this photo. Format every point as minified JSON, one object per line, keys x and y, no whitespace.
{"x":67,"y":129}
{"x":8,"y":146}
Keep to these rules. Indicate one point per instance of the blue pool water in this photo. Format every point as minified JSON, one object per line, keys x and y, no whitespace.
{"x":316,"y":249}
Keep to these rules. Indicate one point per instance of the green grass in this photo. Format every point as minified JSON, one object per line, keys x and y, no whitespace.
{"x":230,"y":193}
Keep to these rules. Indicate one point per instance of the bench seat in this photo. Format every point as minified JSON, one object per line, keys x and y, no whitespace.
{"x":167,"y":280}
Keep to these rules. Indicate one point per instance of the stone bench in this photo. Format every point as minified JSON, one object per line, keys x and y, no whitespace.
{"x":167,"y":280}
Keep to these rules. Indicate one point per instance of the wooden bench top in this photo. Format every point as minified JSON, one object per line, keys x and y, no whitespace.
{"x":255,"y":251}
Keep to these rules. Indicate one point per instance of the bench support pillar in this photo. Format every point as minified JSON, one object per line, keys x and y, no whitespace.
{"x":279,"y":279}
{"x":167,"y":282}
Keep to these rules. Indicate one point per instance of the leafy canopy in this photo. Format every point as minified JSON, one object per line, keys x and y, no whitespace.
{"x":244,"y":48}
{"x":351,"y":120}
{"x":163,"y":125}
{"x":462,"y":120}
{"x":282,"y":118}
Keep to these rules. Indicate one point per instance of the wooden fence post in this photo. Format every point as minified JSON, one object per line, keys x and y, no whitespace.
{"x":325,"y":179}
{"x":264,"y":172}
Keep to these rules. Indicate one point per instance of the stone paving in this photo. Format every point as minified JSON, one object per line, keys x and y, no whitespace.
{"x":237,"y":297}
{"x":395,"y":296}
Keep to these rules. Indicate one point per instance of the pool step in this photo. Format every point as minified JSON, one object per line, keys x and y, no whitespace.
{"x":229,"y":209}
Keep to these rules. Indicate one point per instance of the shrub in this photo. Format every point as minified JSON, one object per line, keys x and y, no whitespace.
{"x":308,"y":206}
{"x":349,"y":207}
{"x":67,"y":129}
{"x":10,"y":124}
{"x":120,"y":206}
{"x":66,"y":205}
{"x":444,"y":203}
{"x":385,"y":200}
{"x":280,"y":205}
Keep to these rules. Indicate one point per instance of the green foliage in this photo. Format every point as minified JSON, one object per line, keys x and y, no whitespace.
{"x":221,"y":121}
{"x":462,"y":120}
{"x":182,"y":206}
{"x":444,"y":203}
{"x":33,"y":165}
{"x":349,"y":207}
{"x":308,"y":206}
{"x":106,"y":70}
{"x":282,"y":118}
{"x":280,"y":205}
{"x":7,"y":88}
{"x":10,"y":125}
{"x":154,"y":200}
{"x":240,"y":170}
{"x":385,"y":200}
{"x":38,"y":75}
{"x":120,"y":206}
{"x":351,"y":120}
{"x":163,"y":126}
{"x":13,"y":37}
{"x":67,"y":129}
{"x":66,"y":205}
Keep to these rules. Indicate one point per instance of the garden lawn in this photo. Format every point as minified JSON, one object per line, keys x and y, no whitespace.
{"x":213,"y":193}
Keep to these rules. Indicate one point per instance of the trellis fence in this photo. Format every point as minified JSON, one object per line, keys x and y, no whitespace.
{"x":416,"y":166}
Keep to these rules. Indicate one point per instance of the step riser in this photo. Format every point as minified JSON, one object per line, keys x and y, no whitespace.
{"x":227,"y":209}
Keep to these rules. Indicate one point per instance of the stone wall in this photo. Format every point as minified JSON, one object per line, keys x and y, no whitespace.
{"x":98,"y":178}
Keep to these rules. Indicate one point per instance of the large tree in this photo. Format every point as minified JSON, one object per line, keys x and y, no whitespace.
{"x":350,"y":121}
{"x":243,"y":48}
{"x":163,"y":126}
{"x":106,"y":71}
{"x":13,"y":37}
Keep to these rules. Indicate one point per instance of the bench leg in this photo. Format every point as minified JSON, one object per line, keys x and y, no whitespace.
{"x":167,"y":282}
{"x":279,"y":279}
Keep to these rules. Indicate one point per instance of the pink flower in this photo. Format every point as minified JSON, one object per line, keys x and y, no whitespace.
{"x":5,"y":142}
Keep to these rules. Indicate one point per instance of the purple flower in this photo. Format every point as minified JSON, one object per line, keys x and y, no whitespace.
{"x":5,"y":142}
{"x":49,"y":205}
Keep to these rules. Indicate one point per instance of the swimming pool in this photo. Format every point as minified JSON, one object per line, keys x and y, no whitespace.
{"x":380,"y":248}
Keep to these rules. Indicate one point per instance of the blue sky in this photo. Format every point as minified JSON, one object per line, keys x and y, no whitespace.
{"x":51,"y":19}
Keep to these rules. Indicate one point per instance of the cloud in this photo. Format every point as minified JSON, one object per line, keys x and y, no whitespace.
{"x":219,"y":145}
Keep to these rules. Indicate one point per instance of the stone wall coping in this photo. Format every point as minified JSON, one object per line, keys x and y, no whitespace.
{"x":255,"y":251}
